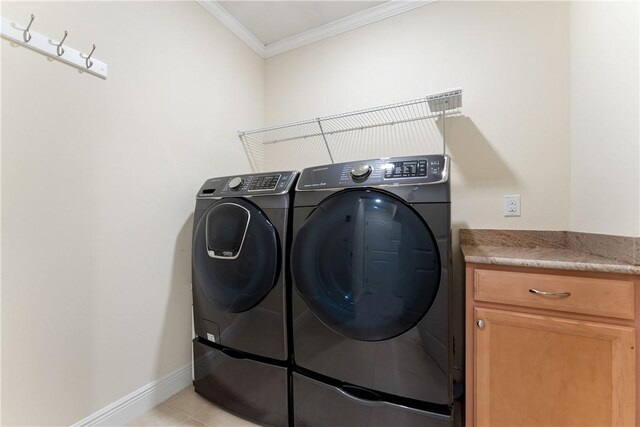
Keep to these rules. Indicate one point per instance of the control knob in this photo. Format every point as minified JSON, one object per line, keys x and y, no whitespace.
{"x":361,"y":172}
{"x":236,"y":183}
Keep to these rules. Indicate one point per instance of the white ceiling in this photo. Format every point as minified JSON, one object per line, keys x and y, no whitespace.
{"x":272,"y":21}
{"x":274,"y":27}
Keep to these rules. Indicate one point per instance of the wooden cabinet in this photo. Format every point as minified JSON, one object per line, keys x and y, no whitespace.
{"x":564,"y":356}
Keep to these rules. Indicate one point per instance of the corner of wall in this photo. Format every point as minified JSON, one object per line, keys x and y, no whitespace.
{"x":604,"y":117}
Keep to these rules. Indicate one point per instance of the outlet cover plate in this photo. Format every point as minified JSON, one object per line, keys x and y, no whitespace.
{"x":512,"y":205}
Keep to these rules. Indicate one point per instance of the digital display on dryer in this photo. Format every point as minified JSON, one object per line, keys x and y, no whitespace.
{"x":406,"y":169}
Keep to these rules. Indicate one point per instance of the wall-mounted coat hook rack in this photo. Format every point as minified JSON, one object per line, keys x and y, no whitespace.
{"x":23,"y":36}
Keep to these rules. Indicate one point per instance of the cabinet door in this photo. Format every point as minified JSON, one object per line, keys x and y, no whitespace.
{"x":544,"y":371}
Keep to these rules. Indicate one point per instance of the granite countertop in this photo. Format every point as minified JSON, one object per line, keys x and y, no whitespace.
{"x":562,"y":250}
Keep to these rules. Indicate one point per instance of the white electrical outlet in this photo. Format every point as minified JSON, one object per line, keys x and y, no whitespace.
{"x":512,"y":205}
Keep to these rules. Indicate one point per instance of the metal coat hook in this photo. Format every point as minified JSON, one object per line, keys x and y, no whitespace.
{"x":26,"y":35}
{"x":59,"y":48}
{"x":88,"y":60}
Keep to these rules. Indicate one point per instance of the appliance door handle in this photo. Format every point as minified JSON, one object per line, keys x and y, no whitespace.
{"x":234,"y":353}
{"x":550,"y":294}
{"x":360,"y":394}
{"x":227,"y":254}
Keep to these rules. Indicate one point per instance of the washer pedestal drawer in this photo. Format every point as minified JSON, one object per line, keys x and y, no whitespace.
{"x":248,"y":388}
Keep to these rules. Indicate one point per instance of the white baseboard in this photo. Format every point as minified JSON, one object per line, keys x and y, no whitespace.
{"x":135,"y":404}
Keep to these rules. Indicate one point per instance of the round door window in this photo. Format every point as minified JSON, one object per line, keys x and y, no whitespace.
{"x":236,"y":255}
{"x":366,"y":265}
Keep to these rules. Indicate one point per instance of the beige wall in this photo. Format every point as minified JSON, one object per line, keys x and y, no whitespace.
{"x":605,"y":118}
{"x":511,"y":59}
{"x":98,"y":185}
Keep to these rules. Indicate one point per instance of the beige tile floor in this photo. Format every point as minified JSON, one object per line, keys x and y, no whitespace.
{"x":187,"y":408}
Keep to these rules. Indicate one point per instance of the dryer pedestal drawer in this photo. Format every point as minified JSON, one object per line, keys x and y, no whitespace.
{"x":250,"y":389}
{"x":319,"y":404}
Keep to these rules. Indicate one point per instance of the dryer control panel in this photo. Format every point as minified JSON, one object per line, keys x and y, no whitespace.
{"x":392,"y":171}
{"x":267,"y":184}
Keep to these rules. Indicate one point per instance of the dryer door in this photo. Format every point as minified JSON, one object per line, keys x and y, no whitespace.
{"x":366,"y":264}
{"x":236,"y":255}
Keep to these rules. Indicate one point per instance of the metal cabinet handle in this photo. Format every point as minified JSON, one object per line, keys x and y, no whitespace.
{"x":550,"y":294}
{"x":481,"y":324}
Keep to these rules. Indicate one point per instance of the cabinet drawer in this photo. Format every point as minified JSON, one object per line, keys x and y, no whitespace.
{"x":601,"y":297}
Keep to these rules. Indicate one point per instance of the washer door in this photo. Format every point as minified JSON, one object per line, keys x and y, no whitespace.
{"x":236,"y":255}
{"x":366,"y":264}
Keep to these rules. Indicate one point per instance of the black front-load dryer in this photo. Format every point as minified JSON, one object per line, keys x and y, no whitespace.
{"x":371,"y":307}
{"x":240,"y":294}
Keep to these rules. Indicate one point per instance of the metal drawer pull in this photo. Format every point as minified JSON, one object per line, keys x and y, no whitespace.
{"x":550,"y":294}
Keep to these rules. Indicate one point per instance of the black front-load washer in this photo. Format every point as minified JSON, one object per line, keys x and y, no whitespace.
{"x":370,"y":264}
{"x":240,"y":294}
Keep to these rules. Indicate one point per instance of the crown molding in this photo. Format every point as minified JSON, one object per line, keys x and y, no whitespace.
{"x":351,"y":22}
{"x":348,"y":23}
{"x":226,"y":19}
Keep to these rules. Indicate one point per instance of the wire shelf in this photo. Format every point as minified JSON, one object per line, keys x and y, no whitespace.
{"x":404,"y":128}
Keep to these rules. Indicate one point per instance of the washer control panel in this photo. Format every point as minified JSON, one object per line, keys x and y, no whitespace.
{"x":264,"y":182}
{"x":248,"y":185}
{"x":415,"y":170}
